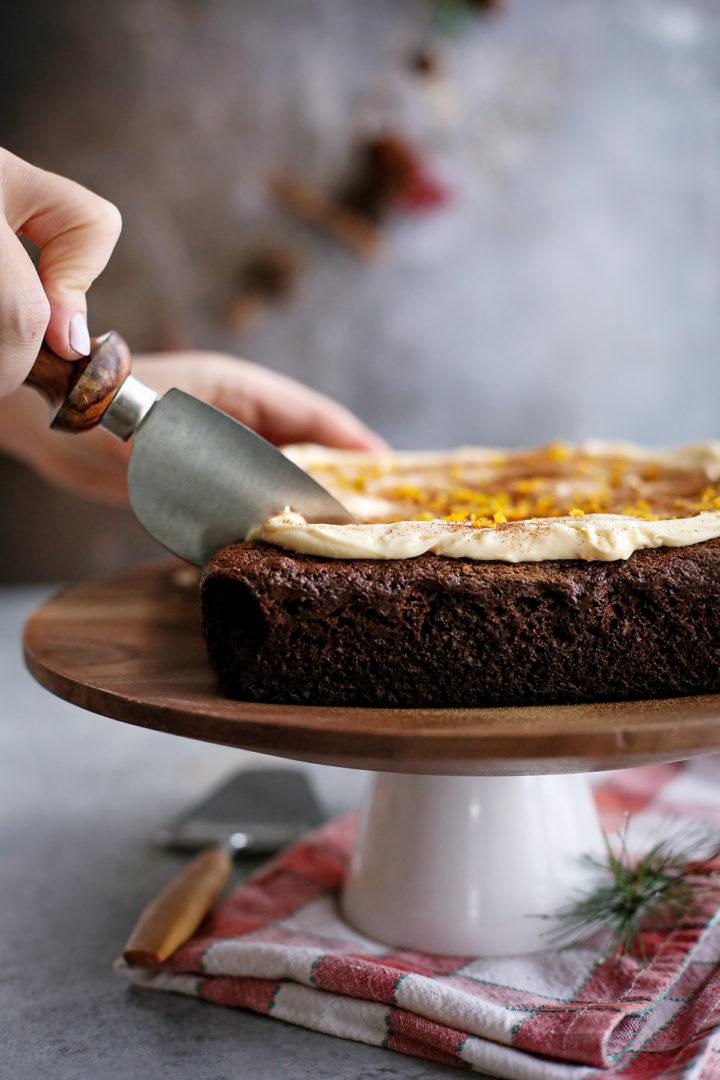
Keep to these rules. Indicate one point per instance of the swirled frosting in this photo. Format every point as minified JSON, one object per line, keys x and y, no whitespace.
{"x":595,"y":500}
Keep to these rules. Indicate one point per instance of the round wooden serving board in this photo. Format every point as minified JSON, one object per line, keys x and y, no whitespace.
{"x":130,"y":647}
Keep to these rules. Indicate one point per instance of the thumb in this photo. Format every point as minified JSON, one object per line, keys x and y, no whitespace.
{"x":70,"y":261}
{"x":68,"y":265}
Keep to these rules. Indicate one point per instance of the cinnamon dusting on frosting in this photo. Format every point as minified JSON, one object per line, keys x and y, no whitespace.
{"x":593,"y":501}
{"x":553,"y":481}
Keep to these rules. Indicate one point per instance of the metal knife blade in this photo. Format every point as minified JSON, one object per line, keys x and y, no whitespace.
{"x":197,"y":479}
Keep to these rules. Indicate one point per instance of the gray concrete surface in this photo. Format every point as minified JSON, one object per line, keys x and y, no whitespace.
{"x":79,"y":796}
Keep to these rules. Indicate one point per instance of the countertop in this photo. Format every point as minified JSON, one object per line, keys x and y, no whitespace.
{"x":81,"y":795}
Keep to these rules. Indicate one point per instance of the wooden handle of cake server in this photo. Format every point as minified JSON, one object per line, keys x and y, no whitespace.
{"x":176,"y":913}
{"x":79,"y":391}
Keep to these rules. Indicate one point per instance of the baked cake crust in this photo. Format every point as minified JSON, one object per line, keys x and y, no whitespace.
{"x":435,"y":631}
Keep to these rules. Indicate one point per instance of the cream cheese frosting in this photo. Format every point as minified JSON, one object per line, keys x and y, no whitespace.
{"x":595,"y":501}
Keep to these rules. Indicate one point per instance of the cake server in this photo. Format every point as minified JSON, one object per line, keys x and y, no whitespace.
{"x":255,"y":813}
{"x":197,"y":479}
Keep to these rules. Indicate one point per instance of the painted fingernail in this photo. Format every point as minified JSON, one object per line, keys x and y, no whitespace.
{"x":79,"y":336}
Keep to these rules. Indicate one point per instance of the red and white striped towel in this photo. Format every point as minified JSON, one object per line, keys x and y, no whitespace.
{"x":278,"y":944}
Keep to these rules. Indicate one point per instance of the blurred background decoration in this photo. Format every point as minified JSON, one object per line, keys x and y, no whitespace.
{"x":480,"y":222}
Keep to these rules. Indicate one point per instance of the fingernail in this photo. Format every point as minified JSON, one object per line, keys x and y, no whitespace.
{"x":79,"y":336}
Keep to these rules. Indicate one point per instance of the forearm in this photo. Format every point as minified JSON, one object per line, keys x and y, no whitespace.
{"x":23,"y":420}
{"x":92,"y":464}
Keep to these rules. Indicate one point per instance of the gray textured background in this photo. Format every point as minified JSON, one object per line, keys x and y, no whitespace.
{"x":570,"y":288}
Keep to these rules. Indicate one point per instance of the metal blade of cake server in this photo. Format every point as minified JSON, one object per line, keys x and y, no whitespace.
{"x":198,"y":480}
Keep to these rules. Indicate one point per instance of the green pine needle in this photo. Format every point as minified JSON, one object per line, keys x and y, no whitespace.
{"x":665,"y":883}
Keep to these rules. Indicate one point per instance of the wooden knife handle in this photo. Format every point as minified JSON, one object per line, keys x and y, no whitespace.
{"x":176,"y":913}
{"x":79,"y":391}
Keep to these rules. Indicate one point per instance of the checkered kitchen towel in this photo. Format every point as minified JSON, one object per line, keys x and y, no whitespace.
{"x":278,"y":944}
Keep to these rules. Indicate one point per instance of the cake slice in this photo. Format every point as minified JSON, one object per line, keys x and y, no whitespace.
{"x":479,"y":577}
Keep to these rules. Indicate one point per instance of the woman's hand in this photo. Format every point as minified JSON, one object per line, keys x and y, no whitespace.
{"x":77,"y":232}
{"x":95,"y":464}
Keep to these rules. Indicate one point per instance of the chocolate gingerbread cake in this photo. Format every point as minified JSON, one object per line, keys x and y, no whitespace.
{"x":480,"y":577}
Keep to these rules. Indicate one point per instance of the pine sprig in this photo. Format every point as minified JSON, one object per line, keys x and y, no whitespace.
{"x":664,"y":884}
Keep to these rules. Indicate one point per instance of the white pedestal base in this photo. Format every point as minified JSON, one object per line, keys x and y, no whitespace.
{"x":461,"y":864}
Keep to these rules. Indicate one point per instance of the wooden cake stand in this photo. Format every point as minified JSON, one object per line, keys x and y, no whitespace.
{"x":477,"y":817}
